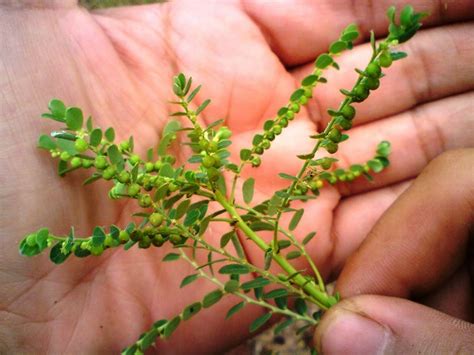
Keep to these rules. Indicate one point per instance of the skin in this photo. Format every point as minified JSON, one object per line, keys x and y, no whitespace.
{"x":117,"y":65}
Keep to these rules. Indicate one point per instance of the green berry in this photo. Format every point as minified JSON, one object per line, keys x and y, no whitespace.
{"x":173,"y":187}
{"x":348,"y":112}
{"x":373,"y":70}
{"x":65,"y":156}
{"x":87,"y":163}
{"x":158,"y":165}
{"x":295,"y":107}
{"x":256,"y":161}
{"x":212,"y":146}
{"x":124,"y":236}
{"x":372,"y":83}
{"x":266,"y":144}
{"x":224,"y":133}
{"x":123,"y":177}
{"x":308,"y":92}
{"x":208,"y":161}
{"x":145,"y":243}
{"x":326,"y":164}
{"x":149,"y":166}
{"x":344,"y":124}
{"x":81,"y":145}
{"x":335,"y":135}
{"x":109,"y":241}
{"x":350,"y":176}
{"x":96,"y":250}
{"x":385,"y":60}
{"x":133,"y":190}
{"x":284,"y":122}
{"x":258,"y":150}
{"x":331,"y":147}
{"x":156,"y":219}
{"x":76,"y":162}
{"x":277,"y":129}
{"x":270,"y":136}
{"x":31,"y":240}
{"x":134,"y":159}
{"x":303,"y":100}
{"x":203,"y":144}
{"x":360,"y":92}
{"x":145,"y":201}
{"x":125,"y":145}
{"x":109,"y":173}
{"x":175,"y":239}
{"x":158,"y":240}
{"x":332,"y":180}
{"x":290,"y":115}
{"x":100,"y":162}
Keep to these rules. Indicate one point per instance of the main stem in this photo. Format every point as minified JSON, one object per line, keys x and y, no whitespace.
{"x":321,"y":298}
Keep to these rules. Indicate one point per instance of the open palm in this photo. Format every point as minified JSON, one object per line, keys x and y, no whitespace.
{"x":118,"y":64}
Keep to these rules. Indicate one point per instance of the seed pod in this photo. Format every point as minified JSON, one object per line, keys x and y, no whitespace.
{"x":156,"y":219}
{"x":360,"y":93}
{"x":144,"y":201}
{"x":290,"y":115}
{"x":100,"y":162}
{"x":350,"y":176}
{"x":109,"y":173}
{"x":136,"y":235}
{"x":335,"y":135}
{"x":372,"y":83}
{"x":125,"y":145}
{"x":266,"y":144}
{"x":124,"y":236}
{"x":76,"y":162}
{"x":344,"y":124}
{"x":212,"y":147}
{"x":303,"y":100}
{"x":295,"y":107}
{"x":133,"y":190}
{"x":348,"y":112}
{"x":87,"y":163}
{"x":65,"y":156}
{"x":258,"y":150}
{"x":123,"y":177}
{"x":256,"y":161}
{"x":385,"y":60}
{"x":284,"y":122}
{"x":208,"y":161}
{"x":134,"y":159}
{"x":373,"y":70}
{"x":96,"y":250}
{"x":270,"y":136}
{"x":175,"y":239}
{"x":158,"y":240}
{"x":326,"y":164}
{"x":331,"y":147}
{"x":145,"y":243}
{"x":277,"y":129}
{"x":149,"y":167}
{"x":81,"y":145}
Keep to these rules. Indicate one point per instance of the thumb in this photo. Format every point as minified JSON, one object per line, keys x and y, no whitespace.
{"x":378,"y":324}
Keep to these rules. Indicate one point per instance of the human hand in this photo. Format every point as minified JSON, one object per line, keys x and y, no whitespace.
{"x":117,"y":65}
{"x":422,"y":248}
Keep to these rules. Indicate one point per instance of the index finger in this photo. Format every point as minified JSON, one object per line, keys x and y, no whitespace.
{"x":422,"y":239}
{"x":297,"y":31}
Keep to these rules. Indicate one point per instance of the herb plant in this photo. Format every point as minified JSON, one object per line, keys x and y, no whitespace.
{"x":179,"y":202}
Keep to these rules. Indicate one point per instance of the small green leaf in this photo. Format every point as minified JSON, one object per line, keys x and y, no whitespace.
{"x":309,"y":80}
{"x":109,"y":134}
{"x":89,"y":124}
{"x":167,"y":170}
{"x":308,"y":238}
{"x":398,"y":55}
{"x":226,"y":238}
{"x":182,"y":208}
{"x":259,"y":322}
{"x":191,"y":217}
{"x":293,"y":255}
{"x":296,"y":219}
{"x":384,"y":148}
{"x":279,"y":292}
{"x":95,"y":137}
{"x":193,"y":93}
{"x":376,"y":165}
{"x":406,"y":16}
{"x":114,"y":155}
{"x":171,"y":257}
{"x":297,"y":94}
{"x":287,"y":177}
{"x":149,"y":338}
{"x":98,"y":236}
{"x":188,"y":279}
{"x":231,"y":286}
{"x":66,"y":145}
{"x":74,"y":118}
{"x":237,"y":245}
{"x":391,"y":14}
{"x":350,"y":36}
{"x":211,"y":298}
{"x":46,"y":142}
{"x":191,"y":310}
{"x":56,"y":255}
{"x":283,"y":244}
{"x":234,"y":269}
{"x":57,"y":108}
{"x":268,"y":125}
{"x":323,"y":61}
{"x":203,"y":106}
{"x":281,"y":326}
{"x":245,"y":154}
{"x":257,"y":282}
{"x":337,"y":47}
{"x":248,"y":190}
{"x":235,"y":309}
{"x":171,"y":326}
{"x":300,"y":306}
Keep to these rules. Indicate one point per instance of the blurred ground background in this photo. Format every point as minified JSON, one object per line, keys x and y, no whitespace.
{"x":265,"y":343}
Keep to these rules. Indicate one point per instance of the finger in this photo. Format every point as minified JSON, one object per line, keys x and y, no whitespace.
{"x":422,"y":239}
{"x":297,"y":32}
{"x":417,"y":137}
{"x":438,"y":65}
{"x":378,"y":324}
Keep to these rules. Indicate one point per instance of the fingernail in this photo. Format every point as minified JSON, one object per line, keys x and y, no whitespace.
{"x":345,"y":332}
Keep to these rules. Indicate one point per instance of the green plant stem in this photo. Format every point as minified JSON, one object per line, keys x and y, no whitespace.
{"x":246,"y":298}
{"x":320,"y":297}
